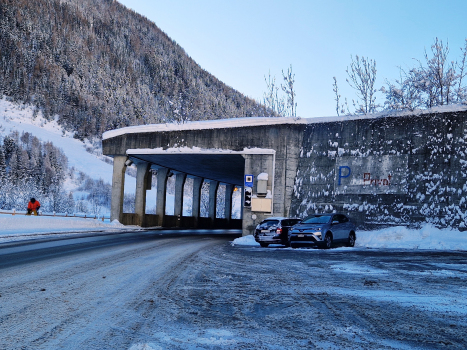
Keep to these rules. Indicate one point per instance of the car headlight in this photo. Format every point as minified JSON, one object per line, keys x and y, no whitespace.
{"x":317,"y":233}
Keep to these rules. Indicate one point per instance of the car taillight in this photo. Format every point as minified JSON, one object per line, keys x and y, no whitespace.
{"x":279,"y":231}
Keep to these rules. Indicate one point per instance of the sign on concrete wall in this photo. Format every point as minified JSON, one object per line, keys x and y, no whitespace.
{"x":371,"y":175}
{"x":248,"y":180}
{"x":261,"y":205}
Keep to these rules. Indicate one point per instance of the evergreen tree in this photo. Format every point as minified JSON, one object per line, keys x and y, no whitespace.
{"x":3,"y":174}
{"x":3,"y":179}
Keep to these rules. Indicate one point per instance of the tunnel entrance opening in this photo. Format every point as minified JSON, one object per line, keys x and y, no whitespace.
{"x":214,"y":181}
{"x":223,"y":174}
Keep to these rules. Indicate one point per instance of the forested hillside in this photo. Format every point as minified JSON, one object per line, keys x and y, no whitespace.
{"x":99,"y":66}
{"x":30,"y":168}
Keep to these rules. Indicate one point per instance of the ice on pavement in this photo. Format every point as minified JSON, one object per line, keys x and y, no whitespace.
{"x":399,"y":237}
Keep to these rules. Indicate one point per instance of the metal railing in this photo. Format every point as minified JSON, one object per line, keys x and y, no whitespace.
{"x":82,"y":216}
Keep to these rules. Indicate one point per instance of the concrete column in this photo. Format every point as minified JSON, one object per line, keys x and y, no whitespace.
{"x":142,"y":173}
{"x":213,"y":185}
{"x":178,"y":205}
{"x":228,"y":202}
{"x":242,"y":199}
{"x":256,"y":164}
{"x":196,"y":204}
{"x":118,"y":187}
{"x":161,"y":193}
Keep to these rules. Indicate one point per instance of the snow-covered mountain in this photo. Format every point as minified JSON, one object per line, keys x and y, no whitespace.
{"x":101,"y":66}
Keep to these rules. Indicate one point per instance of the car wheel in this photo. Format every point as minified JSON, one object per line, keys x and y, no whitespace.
{"x":287,"y":244}
{"x":328,"y":241}
{"x":352,"y":238}
{"x":264,"y":245}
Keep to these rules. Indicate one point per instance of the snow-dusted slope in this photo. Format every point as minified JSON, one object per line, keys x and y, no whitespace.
{"x":21,"y":118}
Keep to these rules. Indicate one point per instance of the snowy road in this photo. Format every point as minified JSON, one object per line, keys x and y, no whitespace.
{"x":152,"y":291}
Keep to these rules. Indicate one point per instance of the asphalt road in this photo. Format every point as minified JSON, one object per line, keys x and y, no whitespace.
{"x":153,"y":290}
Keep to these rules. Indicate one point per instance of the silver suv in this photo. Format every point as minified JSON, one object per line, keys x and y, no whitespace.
{"x":323,"y":230}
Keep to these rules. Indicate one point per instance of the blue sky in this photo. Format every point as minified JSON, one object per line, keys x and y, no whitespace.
{"x":241,"y":41}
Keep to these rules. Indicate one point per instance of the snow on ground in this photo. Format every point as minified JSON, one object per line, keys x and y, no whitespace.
{"x":21,"y":118}
{"x":21,"y":226}
{"x":399,"y":237}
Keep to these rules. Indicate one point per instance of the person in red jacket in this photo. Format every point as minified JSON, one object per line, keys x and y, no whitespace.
{"x":33,"y":207}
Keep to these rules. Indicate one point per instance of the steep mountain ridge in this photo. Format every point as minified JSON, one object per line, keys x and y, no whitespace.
{"x":100,"y":66}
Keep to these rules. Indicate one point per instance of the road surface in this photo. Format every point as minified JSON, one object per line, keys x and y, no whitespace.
{"x":149,"y":290}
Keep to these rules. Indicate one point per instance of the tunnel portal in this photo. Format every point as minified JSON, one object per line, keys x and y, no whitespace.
{"x":219,"y":152}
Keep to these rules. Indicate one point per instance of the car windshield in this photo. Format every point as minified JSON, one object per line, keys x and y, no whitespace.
{"x":269,"y":223}
{"x":317,"y":219}
{"x":290,"y":222}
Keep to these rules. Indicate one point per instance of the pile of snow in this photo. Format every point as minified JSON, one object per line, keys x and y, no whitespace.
{"x":20,"y":226}
{"x":428,"y":237}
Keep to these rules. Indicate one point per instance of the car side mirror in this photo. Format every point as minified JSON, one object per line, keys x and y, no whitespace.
{"x":335,"y":222}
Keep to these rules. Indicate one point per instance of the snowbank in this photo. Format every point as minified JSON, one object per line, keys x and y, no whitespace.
{"x":428,"y":237}
{"x":20,"y":226}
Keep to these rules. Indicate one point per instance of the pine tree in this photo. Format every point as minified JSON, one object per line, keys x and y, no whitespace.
{"x":3,"y":173}
{"x":3,"y":179}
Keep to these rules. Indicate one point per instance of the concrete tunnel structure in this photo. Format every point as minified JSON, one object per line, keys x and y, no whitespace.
{"x":397,"y":169}
{"x":221,"y":152}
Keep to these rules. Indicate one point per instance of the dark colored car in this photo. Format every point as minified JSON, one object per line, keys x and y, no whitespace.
{"x":274,"y":230}
{"x":323,"y":230}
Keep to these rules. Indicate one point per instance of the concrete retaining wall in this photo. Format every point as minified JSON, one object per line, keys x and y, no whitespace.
{"x":391,"y":170}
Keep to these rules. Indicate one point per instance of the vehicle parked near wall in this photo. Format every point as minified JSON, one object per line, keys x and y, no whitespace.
{"x":275,"y":230}
{"x":323,"y":230}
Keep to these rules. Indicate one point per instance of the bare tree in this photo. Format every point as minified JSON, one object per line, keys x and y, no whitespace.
{"x":341,"y":108}
{"x":433,"y":84}
{"x":461,"y":91}
{"x":282,"y":105}
{"x":288,"y":88}
{"x":336,"y":92}
{"x":272,"y":99}
{"x":404,"y":94}
{"x":362,"y":76}
{"x":439,"y":73}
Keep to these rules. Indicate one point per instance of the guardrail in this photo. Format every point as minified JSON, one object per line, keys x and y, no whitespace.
{"x":86,"y":216}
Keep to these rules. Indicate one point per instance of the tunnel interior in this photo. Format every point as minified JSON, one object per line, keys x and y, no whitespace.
{"x":224,"y":168}
{"x":223,"y":173}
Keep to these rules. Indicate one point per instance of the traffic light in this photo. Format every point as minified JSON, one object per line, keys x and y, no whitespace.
{"x":247,"y":201}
